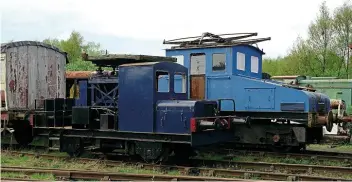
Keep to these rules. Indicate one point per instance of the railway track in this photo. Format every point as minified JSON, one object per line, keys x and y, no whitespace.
{"x":310,"y":155}
{"x":65,"y":174}
{"x":265,"y":166}
{"x":5,"y":179}
{"x":229,"y":153}
{"x":246,"y":170}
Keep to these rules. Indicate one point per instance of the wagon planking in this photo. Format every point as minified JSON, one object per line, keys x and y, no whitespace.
{"x":34,"y":70}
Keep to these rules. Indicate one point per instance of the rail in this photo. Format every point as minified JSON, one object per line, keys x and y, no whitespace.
{"x":316,"y":155}
{"x":268,"y":171}
{"x":90,"y":175}
{"x":227,"y":152}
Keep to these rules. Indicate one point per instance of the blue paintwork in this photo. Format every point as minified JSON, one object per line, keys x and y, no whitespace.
{"x":231,"y":59}
{"x":83,"y":93}
{"x":103,"y":91}
{"x":92,"y":91}
{"x":249,"y":90}
{"x":138,"y":95}
{"x":173,"y":116}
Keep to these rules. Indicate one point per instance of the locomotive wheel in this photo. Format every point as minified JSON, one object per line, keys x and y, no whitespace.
{"x":74,"y":147}
{"x":183,"y":152}
{"x":163,"y":157}
{"x":153,"y":152}
{"x":76,"y":151}
{"x":23,"y":133}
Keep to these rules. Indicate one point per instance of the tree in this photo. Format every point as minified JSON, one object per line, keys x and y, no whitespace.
{"x":320,"y":38}
{"x":324,"y":52}
{"x":74,"y":46}
{"x":343,"y":27}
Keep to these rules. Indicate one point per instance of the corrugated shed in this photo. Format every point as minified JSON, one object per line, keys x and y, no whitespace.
{"x":34,"y":71}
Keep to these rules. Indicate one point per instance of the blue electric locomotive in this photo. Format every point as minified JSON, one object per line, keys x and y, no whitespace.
{"x":283,"y":116}
{"x":126,"y":111}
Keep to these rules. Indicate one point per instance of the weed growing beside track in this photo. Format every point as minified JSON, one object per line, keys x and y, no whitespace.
{"x":331,"y":148}
{"x":306,"y":159}
{"x":35,"y":176}
{"x":29,"y":161}
{"x":225,"y":169}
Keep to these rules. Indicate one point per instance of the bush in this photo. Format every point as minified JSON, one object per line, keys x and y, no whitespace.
{"x":80,"y":65}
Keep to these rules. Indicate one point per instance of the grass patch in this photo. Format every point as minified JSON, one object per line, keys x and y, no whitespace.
{"x":247,"y":157}
{"x":8,"y":159}
{"x":299,"y":161}
{"x":35,"y":176}
{"x":269,"y":159}
{"x":289,"y":160}
{"x":331,"y":148}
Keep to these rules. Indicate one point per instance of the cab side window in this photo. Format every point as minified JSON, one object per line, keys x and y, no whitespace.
{"x":219,"y":62}
{"x":180,"y":82}
{"x":162,"y":81}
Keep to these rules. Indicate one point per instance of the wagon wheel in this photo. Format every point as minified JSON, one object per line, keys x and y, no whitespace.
{"x":23,"y":133}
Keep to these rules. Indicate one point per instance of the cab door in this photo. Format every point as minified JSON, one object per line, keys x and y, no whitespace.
{"x":197,"y":76}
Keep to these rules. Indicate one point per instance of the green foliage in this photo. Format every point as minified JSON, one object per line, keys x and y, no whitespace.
{"x":74,"y":46}
{"x":325,"y":52}
{"x":81,"y":66}
{"x":272,"y":66}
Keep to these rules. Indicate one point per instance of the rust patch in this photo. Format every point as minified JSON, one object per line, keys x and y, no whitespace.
{"x":4,"y":116}
{"x":12,"y":85}
{"x":334,"y":104}
{"x":78,"y":74}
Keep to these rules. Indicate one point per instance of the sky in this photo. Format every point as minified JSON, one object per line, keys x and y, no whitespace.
{"x":140,"y":26}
